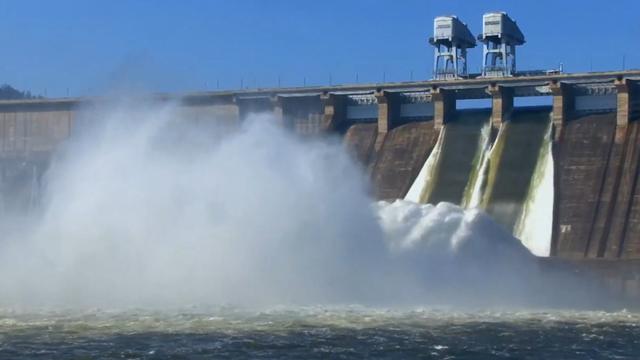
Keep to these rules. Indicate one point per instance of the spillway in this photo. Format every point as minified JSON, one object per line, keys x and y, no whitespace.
{"x":421,"y":186}
{"x":512,"y":164}
{"x":473,"y":192}
{"x":459,"y":157}
{"x":449,"y":173}
{"x":535,"y":225}
{"x":512,"y":180}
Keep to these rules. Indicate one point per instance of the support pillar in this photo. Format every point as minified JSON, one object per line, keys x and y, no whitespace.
{"x":335,"y":111}
{"x":501,"y":104}
{"x":563,"y":103}
{"x":234,"y":113}
{"x":625,"y":97}
{"x":278,"y":112}
{"x":623,"y":112}
{"x":388,"y":110}
{"x":444,"y":106}
{"x":237,"y":103}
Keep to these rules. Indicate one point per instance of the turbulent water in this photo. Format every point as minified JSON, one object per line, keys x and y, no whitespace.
{"x":465,"y":164}
{"x":320,"y":333}
{"x":149,"y":212}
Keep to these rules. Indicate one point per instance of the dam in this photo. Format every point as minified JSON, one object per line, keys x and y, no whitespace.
{"x":561,"y":176}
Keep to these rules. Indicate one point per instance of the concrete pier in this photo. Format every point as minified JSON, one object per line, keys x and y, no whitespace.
{"x":562,"y":106}
{"x":444,"y":104}
{"x":334,"y":111}
{"x":501,"y":103}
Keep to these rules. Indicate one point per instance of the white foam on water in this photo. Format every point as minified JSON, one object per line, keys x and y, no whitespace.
{"x":445,"y":227}
{"x":457,"y":255}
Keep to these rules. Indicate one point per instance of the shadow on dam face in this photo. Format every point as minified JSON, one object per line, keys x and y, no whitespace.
{"x":400,"y":158}
{"x":360,"y":139}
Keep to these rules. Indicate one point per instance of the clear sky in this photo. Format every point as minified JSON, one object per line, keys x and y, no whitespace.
{"x":86,"y":47}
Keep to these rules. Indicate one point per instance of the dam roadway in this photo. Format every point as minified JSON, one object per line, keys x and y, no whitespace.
{"x":494,"y":157}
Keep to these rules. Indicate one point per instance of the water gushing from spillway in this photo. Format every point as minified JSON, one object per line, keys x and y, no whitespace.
{"x":535,"y":224}
{"x":451,"y":168}
{"x":473,"y":192}
{"x":512,"y":165}
{"x":150,"y":209}
{"x":423,"y":184}
{"x":510,"y":177}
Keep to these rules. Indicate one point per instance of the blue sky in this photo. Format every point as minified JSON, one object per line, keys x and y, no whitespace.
{"x":87,"y":47}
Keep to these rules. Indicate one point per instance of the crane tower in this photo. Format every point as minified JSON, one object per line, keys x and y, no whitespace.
{"x":451,"y":39}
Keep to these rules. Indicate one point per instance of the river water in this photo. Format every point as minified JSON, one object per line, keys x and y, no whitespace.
{"x":319,"y":332}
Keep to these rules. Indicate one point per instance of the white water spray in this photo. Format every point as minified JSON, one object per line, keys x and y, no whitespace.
{"x":150,"y":210}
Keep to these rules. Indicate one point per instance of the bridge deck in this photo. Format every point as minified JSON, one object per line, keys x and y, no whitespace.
{"x":471,"y":88}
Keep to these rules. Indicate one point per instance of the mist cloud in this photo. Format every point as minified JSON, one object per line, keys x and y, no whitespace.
{"x":145,"y":208}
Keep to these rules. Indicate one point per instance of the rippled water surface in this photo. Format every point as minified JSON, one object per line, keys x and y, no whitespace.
{"x":351,"y":332}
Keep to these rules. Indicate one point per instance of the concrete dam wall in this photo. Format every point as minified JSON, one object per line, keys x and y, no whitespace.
{"x":597,"y":196}
{"x":562,"y":178}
